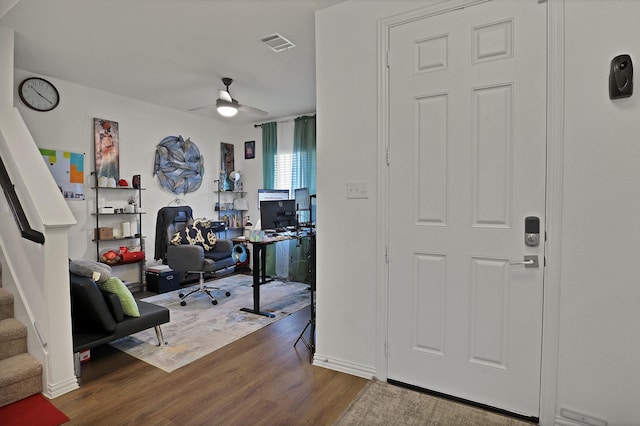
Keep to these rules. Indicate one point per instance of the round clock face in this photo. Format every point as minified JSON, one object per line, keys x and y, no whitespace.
{"x":39,"y":94}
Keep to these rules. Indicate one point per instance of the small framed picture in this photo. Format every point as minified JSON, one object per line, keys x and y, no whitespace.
{"x":250,"y":149}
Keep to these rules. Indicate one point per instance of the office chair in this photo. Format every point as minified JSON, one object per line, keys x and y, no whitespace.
{"x":190,"y":259}
{"x":175,"y":219}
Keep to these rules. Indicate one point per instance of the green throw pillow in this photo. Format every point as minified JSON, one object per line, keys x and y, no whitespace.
{"x":129,"y":305}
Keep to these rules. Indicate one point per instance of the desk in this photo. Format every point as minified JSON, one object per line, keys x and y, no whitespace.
{"x":259,"y":263}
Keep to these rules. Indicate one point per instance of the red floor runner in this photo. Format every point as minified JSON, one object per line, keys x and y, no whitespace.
{"x":34,"y":410}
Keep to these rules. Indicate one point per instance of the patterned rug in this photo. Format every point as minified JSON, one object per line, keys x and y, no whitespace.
{"x":200,"y":328}
{"x":380,"y":403}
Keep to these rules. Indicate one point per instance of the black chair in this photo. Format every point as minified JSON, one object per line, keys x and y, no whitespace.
{"x":173,"y":219}
{"x":185,"y":253}
{"x":191,"y":259}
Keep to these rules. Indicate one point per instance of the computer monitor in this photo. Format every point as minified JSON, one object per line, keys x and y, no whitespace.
{"x":302,"y":199}
{"x":277,"y":214}
{"x":272,"y":194}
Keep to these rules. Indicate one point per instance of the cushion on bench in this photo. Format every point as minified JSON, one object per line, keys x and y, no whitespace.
{"x":88,"y":307}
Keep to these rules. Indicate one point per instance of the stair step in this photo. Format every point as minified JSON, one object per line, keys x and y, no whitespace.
{"x":13,"y":338}
{"x":6,"y":304}
{"x":20,"y":377}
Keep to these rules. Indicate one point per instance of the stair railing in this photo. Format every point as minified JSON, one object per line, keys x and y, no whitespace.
{"x":16,"y":207}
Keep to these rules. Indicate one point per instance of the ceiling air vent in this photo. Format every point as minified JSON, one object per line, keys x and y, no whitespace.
{"x":277,"y":42}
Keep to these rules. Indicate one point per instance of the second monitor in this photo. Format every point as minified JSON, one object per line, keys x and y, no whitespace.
{"x":278,"y":214}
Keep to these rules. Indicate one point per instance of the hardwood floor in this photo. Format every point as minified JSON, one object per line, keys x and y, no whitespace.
{"x":260,"y":379}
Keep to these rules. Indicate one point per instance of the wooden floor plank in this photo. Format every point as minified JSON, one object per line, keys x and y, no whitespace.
{"x":260,"y":379}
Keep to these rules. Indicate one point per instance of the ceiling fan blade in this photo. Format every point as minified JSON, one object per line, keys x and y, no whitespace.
{"x":251,"y":109}
{"x":224,"y":95}
{"x":202,"y":107}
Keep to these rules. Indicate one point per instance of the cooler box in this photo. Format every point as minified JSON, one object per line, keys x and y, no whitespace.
{"x":161,"y":279}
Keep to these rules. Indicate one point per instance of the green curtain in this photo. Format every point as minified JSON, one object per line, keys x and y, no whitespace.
{"x":304,"y":176}
{"x":304,"y":153}
{"x":269,"y":151}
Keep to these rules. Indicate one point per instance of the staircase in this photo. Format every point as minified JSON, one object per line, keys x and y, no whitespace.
{"x":20,"y":373}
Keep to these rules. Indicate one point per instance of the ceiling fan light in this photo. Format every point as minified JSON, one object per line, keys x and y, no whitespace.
{"x":227,"y":111}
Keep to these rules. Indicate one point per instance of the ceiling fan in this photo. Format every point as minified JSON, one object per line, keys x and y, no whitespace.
{"x":227,"y":106}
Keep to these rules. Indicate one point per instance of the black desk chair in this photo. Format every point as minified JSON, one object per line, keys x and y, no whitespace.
{"x":190,"y":259}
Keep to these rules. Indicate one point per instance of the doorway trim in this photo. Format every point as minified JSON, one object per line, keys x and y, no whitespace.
{"x":554,"y":192}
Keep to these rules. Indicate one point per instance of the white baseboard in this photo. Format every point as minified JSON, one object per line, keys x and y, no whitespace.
{"x":563,"y":421}
{"x":360,"y":370}
{"x":54,"y":390}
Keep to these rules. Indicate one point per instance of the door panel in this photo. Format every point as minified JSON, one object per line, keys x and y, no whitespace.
{"x":467,"y":108}
{"x":491,"y":156}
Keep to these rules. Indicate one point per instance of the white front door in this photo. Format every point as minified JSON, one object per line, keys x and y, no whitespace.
{"x":467,"y":142}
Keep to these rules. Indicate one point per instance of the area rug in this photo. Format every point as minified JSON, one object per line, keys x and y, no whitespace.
{"x":33,"y":410}
{"x":200,"y":328}
{"x":380,"y":403}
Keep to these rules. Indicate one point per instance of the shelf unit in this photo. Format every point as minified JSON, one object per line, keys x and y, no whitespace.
{"x":227,"y":212}
{"x":120,"y":194}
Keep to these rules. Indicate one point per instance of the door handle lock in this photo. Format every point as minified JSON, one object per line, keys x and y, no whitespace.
{"x":532,"y":231}
{"x":530,"y":261}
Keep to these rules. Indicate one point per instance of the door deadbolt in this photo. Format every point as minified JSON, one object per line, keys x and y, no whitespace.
{"x":532,"y":231}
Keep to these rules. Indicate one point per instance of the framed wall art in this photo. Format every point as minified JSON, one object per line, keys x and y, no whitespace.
{"x":249,"y":150}
{"x":107,"y":152}
{"x":227,"y":165}
{"x":178,"y":165}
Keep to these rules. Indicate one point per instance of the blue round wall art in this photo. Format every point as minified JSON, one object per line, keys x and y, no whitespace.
{"x":179,"y":165}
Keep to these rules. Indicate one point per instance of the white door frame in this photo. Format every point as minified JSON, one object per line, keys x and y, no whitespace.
{"x":554,"y":175}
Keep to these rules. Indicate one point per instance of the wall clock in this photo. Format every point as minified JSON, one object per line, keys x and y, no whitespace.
{"x":38,"y":94}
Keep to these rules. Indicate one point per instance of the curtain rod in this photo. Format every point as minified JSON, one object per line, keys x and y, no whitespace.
{"x":286,"y":119}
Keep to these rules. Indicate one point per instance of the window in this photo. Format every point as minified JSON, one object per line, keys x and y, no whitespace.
{"x":283,"y":171}
{"x":293,"y":169}
{"x":283,"y":167}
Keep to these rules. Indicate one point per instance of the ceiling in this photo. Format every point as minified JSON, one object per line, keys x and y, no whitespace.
{"x":173,"y":52}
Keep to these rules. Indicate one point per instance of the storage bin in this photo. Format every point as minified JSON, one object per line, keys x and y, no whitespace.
{"x":104,"y":233}
{"x":162,"y":282}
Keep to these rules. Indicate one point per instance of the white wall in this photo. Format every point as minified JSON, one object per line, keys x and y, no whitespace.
{"x":142,"y":127}
{"x":346,"y":87}
{"x":600,"y":297}
{"x":600,"y":294}
{"x":6,"y":68}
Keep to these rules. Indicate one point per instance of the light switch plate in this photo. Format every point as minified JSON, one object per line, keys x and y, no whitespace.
{"x":357,"y":189}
